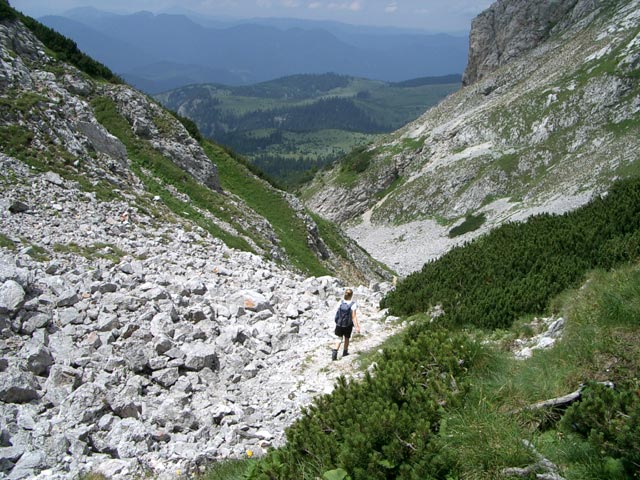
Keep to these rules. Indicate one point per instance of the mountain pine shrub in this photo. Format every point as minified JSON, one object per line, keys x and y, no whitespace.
{"x":610,"y":420}
{"x":383,"y":426}
{"x":6,"y":12}
{"x":517,"y":268}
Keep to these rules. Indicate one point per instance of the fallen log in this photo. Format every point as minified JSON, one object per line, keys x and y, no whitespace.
{"x":563,"y":401}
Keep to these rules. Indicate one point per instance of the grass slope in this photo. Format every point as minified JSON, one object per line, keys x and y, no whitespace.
{"x":158,"y":172}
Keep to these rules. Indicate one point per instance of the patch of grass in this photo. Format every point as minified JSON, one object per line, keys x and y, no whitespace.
{"x":38,"y":253}
{"x":331,"y":235}
{"x":91,"y":252}
{"x":358,"y":160}
{"x":227,"y":470}
{"x":353,"y":164}
{"x":165,"y":172}
{"x":477,"y":441}
{"x":391,"y":188}
{"x":21,"y":102}
{"x":92,"y":476}
{"x":508,"y":163}
{"x":16,"y":140}
{"x":271,"y":204}
{"x":601,"y":342}
{"x":412,"y":143}
{"x":471,"y":223}
{"x":105,"y":191}
{"x":5,"y":242}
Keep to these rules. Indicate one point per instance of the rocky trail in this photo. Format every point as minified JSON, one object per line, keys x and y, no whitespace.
{"x":129,"y":345}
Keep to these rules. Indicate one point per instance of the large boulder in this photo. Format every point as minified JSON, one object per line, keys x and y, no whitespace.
{"x":17,"y":386}
{"x":12,"y":296}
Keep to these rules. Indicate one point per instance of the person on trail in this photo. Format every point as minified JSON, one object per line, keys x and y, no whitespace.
{"x":346,"y":319}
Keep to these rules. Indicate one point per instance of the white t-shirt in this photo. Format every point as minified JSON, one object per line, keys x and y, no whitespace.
{"x":352,"y":303}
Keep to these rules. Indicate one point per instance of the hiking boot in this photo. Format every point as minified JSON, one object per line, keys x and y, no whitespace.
{"x":345,"y":353}
{"x":334,"y":354}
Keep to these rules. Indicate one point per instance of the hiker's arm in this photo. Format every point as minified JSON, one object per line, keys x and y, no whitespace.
{"x":354,"y":316}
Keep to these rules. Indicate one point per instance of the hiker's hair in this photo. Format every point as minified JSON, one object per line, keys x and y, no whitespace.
{"x":348,"y":293}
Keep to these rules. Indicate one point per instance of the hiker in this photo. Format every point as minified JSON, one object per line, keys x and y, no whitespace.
{"x":346,"y":319}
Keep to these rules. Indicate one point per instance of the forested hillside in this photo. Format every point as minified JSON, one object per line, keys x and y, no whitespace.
{"x":294,"y":125}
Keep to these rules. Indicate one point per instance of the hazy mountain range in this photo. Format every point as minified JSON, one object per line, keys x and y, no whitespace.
{"x":159,"y":52}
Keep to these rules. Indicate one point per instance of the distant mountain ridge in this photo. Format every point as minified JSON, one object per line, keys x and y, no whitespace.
{"x":242,"y":53}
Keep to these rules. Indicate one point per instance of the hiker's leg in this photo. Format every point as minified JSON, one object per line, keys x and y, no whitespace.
{"x":345,"y":352}
{"x":334,"y":351}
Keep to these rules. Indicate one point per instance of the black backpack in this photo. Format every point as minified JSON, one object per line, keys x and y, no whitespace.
{"x":343,"y":315}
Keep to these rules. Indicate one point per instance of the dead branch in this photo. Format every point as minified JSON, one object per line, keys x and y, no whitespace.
{"x":563,"y":401}
{"x":544,"y":469}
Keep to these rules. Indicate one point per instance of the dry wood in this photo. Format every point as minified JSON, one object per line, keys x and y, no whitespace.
{"x":563,"y":401}
{"x":546,"y":468}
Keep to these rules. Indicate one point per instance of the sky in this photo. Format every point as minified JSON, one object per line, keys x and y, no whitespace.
{"x":430,"y":15}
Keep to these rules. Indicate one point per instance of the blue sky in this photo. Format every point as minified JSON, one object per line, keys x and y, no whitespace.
{"x":432,"y":15}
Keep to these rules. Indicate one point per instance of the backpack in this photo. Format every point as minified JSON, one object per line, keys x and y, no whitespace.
{"x":343,"y":315}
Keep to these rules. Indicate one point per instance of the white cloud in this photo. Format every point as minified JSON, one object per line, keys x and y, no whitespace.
{"x":392,"y":7}
{"x":315,"y":5}
{"x":264,"y":3}
{"x":353,"y":6}
{"x":290,"y":3}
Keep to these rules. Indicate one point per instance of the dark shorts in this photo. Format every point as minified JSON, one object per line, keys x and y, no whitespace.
{"x":343,"y":331}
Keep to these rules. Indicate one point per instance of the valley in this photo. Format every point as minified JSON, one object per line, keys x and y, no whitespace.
{"x":294,"y":126}
{"x":167,"y":312}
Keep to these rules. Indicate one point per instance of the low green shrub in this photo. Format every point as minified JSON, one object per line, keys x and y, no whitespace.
{"x":6,"y":242}
{"x":471,"y":223}
{"x":609,"y":418}
{"x":517,"y":268}
{"x":358,"y":160}
{"x":383,"y":426}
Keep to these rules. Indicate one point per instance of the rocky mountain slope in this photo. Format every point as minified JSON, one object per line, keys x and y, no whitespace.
{"x":151,"y":319}
{"x":549,"y":119}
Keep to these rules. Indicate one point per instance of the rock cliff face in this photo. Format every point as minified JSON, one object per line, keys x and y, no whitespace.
{"x":545,"y":132}
{"x":132,"y":340}
{"x":510,"y":28}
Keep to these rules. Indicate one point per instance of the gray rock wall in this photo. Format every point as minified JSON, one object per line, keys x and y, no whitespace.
{"x":509,"y":28}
